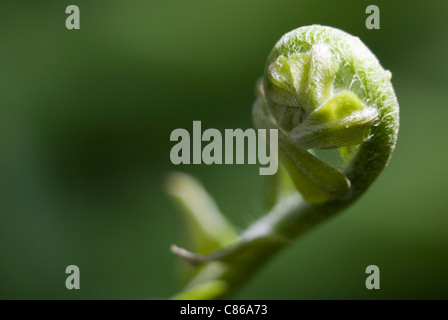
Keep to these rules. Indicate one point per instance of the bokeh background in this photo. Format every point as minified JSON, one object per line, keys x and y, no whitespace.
{"x":85,"y":120}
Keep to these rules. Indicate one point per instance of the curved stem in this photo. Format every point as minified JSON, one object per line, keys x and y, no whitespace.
{"x":226,"y":270}
{"x":289,"y":219}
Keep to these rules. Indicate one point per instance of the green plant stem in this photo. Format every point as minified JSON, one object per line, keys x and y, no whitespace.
{"x":286,"y":221}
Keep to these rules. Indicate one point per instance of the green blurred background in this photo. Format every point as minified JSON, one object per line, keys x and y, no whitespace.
{"x":85,"y":120}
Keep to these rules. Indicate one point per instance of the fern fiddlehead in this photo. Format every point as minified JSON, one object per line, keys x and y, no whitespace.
{"x":322,"y":89}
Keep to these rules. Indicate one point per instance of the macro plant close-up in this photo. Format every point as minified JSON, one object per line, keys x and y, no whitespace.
{"x":322,"y":89}
{"x":214,"y":150}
